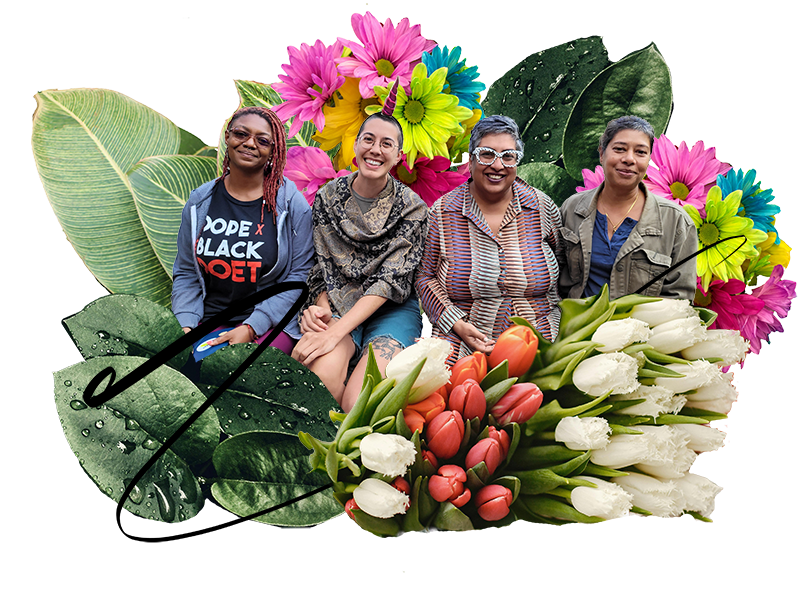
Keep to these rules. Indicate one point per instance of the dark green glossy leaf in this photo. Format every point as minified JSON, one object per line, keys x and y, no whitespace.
{"x":639,"y":84}
{"x":539,"y":92}
{"x":114,"y":441}
{"x":259,"y":470}
{"x":276,"y":393}
{"x":124,"y":325}
{"x":551,"y":179}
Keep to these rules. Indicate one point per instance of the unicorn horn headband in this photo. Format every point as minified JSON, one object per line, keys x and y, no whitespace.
{"x":391,"y":99}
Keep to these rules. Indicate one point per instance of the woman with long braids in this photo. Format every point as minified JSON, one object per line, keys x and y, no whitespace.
{"x":243,"y":232}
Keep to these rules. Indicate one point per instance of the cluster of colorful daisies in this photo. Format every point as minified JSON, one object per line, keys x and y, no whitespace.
{"x":336,"y":87}
{"x":735,"y":221}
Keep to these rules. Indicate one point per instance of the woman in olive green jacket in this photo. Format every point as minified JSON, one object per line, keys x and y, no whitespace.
{"x":622,"y":235}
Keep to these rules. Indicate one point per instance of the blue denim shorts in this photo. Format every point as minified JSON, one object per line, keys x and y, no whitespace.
{"x":400,"y":322}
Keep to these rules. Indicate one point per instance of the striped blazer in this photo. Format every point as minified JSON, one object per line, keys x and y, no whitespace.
{"x":468,"y":272}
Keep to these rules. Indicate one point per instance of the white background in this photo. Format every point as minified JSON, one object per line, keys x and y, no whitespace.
{"x":733,"y":74}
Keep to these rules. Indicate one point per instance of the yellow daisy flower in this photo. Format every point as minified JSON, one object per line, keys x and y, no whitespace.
{"x":428,"y":116}
{"x":342,"y":122}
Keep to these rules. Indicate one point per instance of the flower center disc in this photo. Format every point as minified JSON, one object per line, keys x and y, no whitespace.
{"x":708,"y":234}
{"x":384,"y":67}
{"x":679,"y":190}
{"x":413,"y":111}
{"x":406,"y":176}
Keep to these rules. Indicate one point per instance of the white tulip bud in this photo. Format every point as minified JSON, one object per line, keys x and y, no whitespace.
{"x":601,"y":374}
{"x":607,"y":500}
{"x":726,"y":344}
{"x":387,"y":453}
{"x":589,"y":433}
{"x":616,"y":335}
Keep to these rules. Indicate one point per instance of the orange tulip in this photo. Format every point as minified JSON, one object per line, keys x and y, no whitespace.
{"x":417,"y":415}
{"x":473,"y":366}
{"x":518,"y":345}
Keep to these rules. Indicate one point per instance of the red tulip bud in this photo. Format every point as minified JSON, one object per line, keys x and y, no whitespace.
{"x":518,"y":405}
{"x":518,"y":344}
{"x":401,"y":485}
{"x":468,"y":399}
{"x":349,"y":506}
{"x":473,"y":366}
{"x":448,"y":485}
{"x":444,"y":434}
{"x":416,"y":415}
{"x":489,"y":451}
{"x":431,"y":458}
{"x":501,"y":436}
{"x":493,"y":502}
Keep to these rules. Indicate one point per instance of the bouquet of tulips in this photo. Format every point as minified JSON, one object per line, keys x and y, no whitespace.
{"x":605,"y":420}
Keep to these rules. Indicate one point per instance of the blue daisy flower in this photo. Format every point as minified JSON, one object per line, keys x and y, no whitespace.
{"x":755,"y":203}
{"x":461,"y":81}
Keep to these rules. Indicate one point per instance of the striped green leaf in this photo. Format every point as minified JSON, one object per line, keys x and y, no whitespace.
{"x":84,"y":142}
{"x":161,"y":186}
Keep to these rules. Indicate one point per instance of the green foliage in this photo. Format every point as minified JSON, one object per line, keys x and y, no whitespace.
{"x":262,"y":465}
{"x":639,"y":84}
{"x":540,"y":91}
{"x":551,"y":179}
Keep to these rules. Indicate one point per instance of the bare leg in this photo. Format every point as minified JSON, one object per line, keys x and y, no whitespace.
{"x":384,"y":349}
{"x":331,"y":368}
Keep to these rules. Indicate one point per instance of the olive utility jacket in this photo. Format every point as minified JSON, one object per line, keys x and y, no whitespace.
{"x":663,"y":236}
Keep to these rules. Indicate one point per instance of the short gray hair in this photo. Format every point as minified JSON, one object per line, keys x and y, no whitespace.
{"x":494,"y":124}
{"x":622,"y":123}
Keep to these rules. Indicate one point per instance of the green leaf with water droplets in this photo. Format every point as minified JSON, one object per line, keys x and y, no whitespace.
{"x":259,"y":470}
{"x":551,"y":179}
{"x":125,"y":325}
{"x":115,"y":440}
{"x":640,"y":84}
{"x":276,"y":393}
{"x":539,"y":92}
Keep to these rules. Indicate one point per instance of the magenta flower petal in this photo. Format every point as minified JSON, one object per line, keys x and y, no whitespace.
{"x":386,"y":52}
{"x":777,"y":296}
{"x":430,"y":178}
{"x":309,"y":168}
{"x":591,"y":179}
{"x":308,"y":82}
{"x":681,"y":174}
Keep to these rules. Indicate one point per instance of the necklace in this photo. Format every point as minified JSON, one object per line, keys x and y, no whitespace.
{"x":614,"y":227}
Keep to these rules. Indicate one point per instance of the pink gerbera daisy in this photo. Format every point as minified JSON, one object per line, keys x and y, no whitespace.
{"x":308,"y":82}
{"x":726,"y":298}
{"x":777,"y":296}
{"x":683,"y":175}
{"x":430,"y":178}
{"x":387,"y":53}
{"x":309,"y":168}
{"x":591,"y":179}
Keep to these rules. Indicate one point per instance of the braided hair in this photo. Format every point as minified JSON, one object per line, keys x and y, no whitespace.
{"x":273,"y":170}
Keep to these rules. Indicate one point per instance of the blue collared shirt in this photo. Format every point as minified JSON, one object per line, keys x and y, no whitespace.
{"x":604,"y":252}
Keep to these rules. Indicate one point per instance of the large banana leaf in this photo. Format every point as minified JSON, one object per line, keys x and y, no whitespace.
{"x":161,"y":186}
{"x":84,"y":143}
{"x":639,"y":84}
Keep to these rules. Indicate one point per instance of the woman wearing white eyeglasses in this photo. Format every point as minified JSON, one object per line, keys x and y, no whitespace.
{"x":491,"y":248}
{"x":242,"y":233}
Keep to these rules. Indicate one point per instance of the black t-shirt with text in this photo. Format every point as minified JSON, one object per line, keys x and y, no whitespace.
{"x":234,"y":249}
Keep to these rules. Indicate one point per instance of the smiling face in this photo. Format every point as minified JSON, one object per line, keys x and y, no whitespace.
{"x":249,"y":139}
{"x":625,"y":159}
{"x":375,"y":162}
{"x":493,"y":182}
